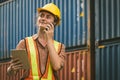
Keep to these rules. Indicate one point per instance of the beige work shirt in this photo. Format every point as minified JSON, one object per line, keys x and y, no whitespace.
{"x":43,"y":51}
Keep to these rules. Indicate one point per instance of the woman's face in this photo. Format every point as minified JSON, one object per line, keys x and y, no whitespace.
{"x":44,"y":18}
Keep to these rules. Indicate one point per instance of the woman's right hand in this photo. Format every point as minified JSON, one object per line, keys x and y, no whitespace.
{"x":15,"y":65}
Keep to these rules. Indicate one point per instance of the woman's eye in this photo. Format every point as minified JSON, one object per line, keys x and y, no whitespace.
{"x":48,"y":17}
{"x":41,"y":15}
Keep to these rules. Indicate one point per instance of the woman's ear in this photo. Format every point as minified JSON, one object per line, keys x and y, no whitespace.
{"x":56,"y":20}
{"x":55,"y":23}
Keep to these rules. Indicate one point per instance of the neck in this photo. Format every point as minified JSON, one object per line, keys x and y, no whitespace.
{"x":41,"y":34}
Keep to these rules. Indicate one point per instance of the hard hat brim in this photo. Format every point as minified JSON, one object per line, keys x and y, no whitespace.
{"x":41,"y":9}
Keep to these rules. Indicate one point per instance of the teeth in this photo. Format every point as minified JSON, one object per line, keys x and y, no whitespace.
{"x":42,"y":22}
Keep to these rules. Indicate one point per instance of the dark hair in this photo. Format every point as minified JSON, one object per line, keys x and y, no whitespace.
{"x":56,"y":20}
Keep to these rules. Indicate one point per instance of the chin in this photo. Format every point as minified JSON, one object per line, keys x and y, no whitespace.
{"x":42,"y":27}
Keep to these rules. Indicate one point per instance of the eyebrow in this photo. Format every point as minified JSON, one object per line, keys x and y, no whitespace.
{"x":47,"y":12}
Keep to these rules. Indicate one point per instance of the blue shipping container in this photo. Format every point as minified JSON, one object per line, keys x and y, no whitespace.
{"x":17,"y":20}
{"x":107,"y":36}
{"x":108,"y":62}
{"x":107,"y":19}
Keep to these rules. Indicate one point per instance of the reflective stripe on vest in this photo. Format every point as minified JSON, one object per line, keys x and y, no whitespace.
{"x":33,"y":56}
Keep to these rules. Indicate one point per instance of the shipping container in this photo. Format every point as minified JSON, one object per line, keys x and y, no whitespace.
{"x":75,"y":67}
{"x":107,"y":19}
{"x":107,"y":36}
{"x":17,"y":20}
{"x":108,"y":62}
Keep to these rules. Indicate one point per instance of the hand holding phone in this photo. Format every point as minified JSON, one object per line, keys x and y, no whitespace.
{"x":48,"y":27}
{"x":49,"y":31}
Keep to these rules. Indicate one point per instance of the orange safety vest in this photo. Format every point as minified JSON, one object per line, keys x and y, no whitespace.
{"x":34,"y":73}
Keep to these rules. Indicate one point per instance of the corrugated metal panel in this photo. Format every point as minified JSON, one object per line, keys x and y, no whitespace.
{"x":75,"y":68}
{"x":107,"y":19}
{"x":3,"y":73}
{"x":73,"y":30}
{"x":107,"y":25}
{"x":17,"y":20}
{"x":108,"y":62}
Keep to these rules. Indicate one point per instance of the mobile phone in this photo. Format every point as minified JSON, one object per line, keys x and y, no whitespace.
{"x":47,"y":26}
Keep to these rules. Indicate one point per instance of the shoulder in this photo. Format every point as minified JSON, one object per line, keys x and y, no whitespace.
{"x":60,"y":45}
{"x":56,"y":42}
{"x":21,"y":44}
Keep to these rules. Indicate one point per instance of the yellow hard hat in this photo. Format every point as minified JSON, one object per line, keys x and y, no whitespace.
{"x":52,"y":8}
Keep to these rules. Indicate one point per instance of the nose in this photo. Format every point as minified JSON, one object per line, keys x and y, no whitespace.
{"x":43,"y":19}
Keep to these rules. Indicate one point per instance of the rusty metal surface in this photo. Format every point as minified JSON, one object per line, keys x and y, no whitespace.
{"x":75,"y":68}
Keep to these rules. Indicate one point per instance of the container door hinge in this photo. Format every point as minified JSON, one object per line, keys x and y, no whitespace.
{"x":97,"y":45}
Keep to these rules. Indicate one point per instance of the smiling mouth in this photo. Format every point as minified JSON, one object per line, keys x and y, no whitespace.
{"x":42,"y":23}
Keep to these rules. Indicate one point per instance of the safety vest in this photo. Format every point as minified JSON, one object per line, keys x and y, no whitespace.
{"x":34,"y":72}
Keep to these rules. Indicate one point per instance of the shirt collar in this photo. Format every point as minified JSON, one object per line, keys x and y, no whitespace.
{"x":35,"y":37}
